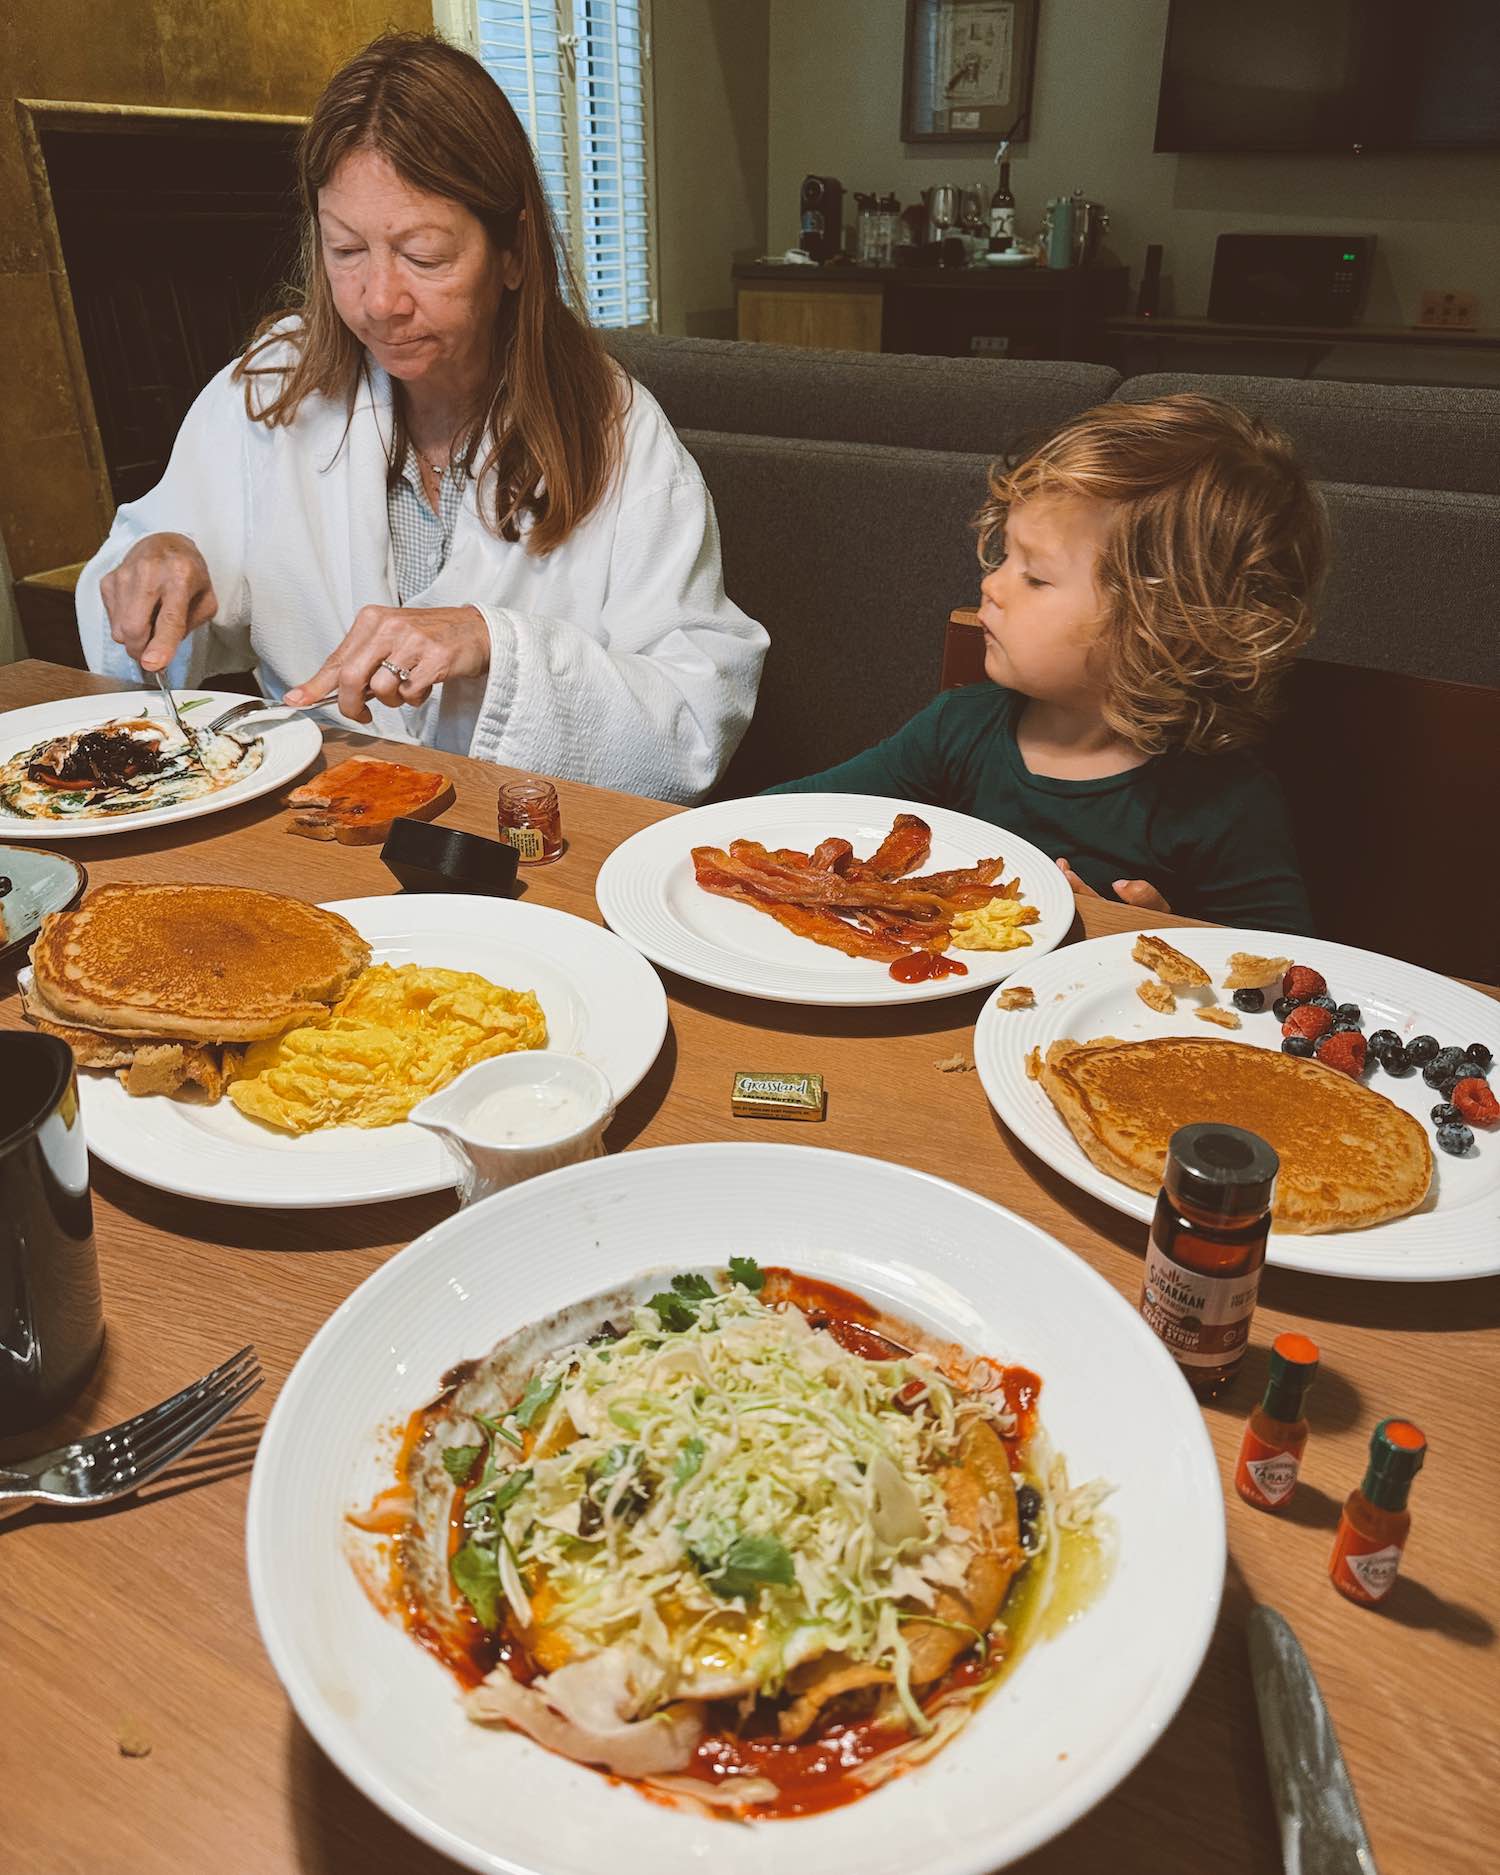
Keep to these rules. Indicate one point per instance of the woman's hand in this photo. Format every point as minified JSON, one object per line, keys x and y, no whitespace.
{"x":396,"y":654}
{"x":158,"y":593}
{"x":1133,"y":891}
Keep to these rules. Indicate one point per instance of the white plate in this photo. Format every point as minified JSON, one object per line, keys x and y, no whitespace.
{"x":291,"y":743}
{"x":1078,"y":1713}
{"x":647,"y":892}
{"x":1089,"y":990}
{"x":600,"y":999}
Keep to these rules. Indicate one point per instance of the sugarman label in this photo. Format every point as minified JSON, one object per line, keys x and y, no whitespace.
{"x":1204,"y":1320}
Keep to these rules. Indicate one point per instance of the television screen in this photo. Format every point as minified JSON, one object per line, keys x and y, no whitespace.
{"x":1330,"y":74}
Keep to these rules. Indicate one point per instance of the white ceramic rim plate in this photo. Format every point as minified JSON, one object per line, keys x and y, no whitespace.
{"x":647,"y":892}
{"x":1089,"y":990}
{"x":42,"y":882}
{"x":1074,"y":1718}
{"x":601,"y":1000}
{"x":291,"y":744}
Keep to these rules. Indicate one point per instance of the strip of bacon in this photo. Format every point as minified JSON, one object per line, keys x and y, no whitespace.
{"x":831,"y":855}
{"x":808,"y":921}
{"x":906,"y":845}
{"x":793,"y":886}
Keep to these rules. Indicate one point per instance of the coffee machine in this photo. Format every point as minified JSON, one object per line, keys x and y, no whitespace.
{"x":822,"y":220}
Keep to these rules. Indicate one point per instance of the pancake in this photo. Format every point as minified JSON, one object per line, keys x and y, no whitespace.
{"x":194,"y":963}
{"x":144,"y":1065}
{"x":1349,"y":1157}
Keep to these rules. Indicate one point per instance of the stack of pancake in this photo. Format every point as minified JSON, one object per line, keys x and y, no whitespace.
{"x":165,"y":983}
{"x":1349,"y":1157}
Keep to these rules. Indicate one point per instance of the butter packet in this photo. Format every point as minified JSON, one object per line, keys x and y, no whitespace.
{"x":767,"y":1096}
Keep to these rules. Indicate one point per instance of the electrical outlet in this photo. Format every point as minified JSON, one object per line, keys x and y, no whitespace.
{"x":1456,"y":311}
{"x":990,"y":342}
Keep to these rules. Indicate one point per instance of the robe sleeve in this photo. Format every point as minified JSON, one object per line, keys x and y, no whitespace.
{"x":205,"y":494}
{"x":655,"y":694}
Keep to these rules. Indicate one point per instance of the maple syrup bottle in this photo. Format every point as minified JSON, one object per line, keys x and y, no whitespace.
{"x":1207,"y":1246}
{"x":1375,"y":1521}
{"x":1265,"y":1474}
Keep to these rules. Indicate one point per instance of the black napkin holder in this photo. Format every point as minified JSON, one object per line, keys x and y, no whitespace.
{"x":428,"y":858}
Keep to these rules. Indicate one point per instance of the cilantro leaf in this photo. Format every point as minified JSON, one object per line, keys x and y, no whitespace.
{"x":689,"y":1458}
{"x":678,"y":1306}
{"x":458,"y":1461}
{"x":695,"y":1287}
{"x":747,"y":1273}
{"x":514,"y":1485}
{"x":476,"y":1574}
{"x":539,"y":1395}
{"x":747,"y":1563}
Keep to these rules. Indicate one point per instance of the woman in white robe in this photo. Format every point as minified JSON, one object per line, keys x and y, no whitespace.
{"x":427,"y":489}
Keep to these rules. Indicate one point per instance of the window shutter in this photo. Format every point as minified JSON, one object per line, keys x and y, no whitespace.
{"x":576,"y":72}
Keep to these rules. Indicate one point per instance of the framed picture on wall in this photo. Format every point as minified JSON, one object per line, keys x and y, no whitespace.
{"x":967,"y":70}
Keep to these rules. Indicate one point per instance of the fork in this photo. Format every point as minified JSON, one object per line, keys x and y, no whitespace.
{"x":120,"y":1459}
{"x":164,"y":685}
{"x":256,"y":706}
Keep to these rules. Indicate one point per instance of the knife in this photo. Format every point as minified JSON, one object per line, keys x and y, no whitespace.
{"x":164,"y":685}
{"x":1322,"y":1831}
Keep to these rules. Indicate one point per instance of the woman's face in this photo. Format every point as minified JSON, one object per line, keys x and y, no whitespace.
{"x":415,"y":277}
{"x":1042,"y":607}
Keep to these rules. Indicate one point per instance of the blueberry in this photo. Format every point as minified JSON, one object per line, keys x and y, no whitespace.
{"x":1445,"y":1114}
{"x":1433,"y":1075}
{"x":1382,"y":1039}
{"x":1283,"y":1007}
{"x":1481,"y":1069}
{"x":1349,"y":1012}
{"x":1422,"y":1048}
{"x":1297,"y":1045}
{"x":1325,"y":1001}
{"x":1455,"y":1139}
{"x":1251,"y":1001}
{"x":1396,"y":1060}
{"x":1342,"y":1025}
{"x":1476,"y":1051}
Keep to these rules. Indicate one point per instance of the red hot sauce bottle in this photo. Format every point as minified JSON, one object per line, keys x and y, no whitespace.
{"x":1375,"y":1521}
{"x":1265,"y":1474}
{"x":1207,"y":1245}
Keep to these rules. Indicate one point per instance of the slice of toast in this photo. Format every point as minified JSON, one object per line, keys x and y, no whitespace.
{"x":356,"y":801}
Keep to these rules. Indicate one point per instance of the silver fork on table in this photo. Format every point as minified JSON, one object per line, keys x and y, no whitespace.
{"x":111,"y":1463}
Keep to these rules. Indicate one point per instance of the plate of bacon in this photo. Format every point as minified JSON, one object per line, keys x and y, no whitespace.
{"x":834,"y":899}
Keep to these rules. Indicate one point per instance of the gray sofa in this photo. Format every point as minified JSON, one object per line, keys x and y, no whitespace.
{"x":845,"y":483}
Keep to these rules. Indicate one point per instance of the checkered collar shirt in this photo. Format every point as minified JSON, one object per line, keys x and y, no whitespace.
{"x":420,"y":539}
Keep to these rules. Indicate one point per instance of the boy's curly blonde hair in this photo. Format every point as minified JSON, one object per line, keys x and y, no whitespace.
{"x":1214,"y":555}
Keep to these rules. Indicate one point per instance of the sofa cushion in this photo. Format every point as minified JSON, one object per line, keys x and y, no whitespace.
{"x":977,"y":405}
{"x":851,"y":557}
{"x":1385,"y":435}
{"x":1414,"y":583}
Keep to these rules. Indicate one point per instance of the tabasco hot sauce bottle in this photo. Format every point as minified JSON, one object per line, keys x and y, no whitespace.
{"x":1373,"y":1528}
{"x":1207,"y":1245}
{"x":1265,"y":1474}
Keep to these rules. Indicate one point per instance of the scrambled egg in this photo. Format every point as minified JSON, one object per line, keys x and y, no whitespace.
{"x":994,"y":927}
{"x":401,"y":1033}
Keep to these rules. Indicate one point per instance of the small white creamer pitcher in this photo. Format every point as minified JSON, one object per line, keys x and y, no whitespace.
{"x":515,"y":1116}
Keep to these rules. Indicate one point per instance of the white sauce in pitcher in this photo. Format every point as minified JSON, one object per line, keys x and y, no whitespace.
{"x":524,"y":1116}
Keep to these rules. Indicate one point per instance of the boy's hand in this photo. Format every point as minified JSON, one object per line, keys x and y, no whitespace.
{"x":1135,"y":892}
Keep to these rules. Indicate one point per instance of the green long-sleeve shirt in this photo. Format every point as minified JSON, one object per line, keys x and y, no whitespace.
{"x":1210,"y":832}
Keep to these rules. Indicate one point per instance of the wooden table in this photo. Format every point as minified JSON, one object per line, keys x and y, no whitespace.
{"x":134,"y":1622}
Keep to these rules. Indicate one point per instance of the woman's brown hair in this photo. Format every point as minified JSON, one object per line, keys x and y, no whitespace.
{"x":1213,"y":558}
{"x":551,"y":435}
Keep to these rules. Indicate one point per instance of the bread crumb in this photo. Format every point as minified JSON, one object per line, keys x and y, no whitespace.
{"x":1224,"y":1018}
{"x":1248,"y":972}
{"x":1017,"y":996}
{"x":1170,"y":965}
{"x":1156,"y":996}
{"x":1034,"y":1065}
{"x":130,"y":1737}
{"x":955,"y":1064}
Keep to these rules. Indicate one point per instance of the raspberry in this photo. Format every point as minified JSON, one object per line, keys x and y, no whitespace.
{"x":1475,"y":1100}
{"x":1300,"y":981}
{"x":1309,"y":1021}
{"x":1344,"y":1050}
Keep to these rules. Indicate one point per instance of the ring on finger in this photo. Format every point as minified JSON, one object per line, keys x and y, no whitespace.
{"x":401,"y":676}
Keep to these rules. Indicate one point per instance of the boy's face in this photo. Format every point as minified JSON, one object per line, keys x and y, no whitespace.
{"x":1042,"y":608}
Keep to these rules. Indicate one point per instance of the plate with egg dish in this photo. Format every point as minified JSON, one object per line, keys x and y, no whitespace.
{"x":1370,"y":1077}
{"x":249,"y":1048}
{"x":83,"y":766}
{"x":729,"y":1505}
{"x":838,"y":900}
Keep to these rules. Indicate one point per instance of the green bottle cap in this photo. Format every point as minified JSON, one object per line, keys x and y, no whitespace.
{"x":1397,"y":1449}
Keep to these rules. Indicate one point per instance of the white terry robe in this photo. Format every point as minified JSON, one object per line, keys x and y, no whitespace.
{"x":616,"y":659}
